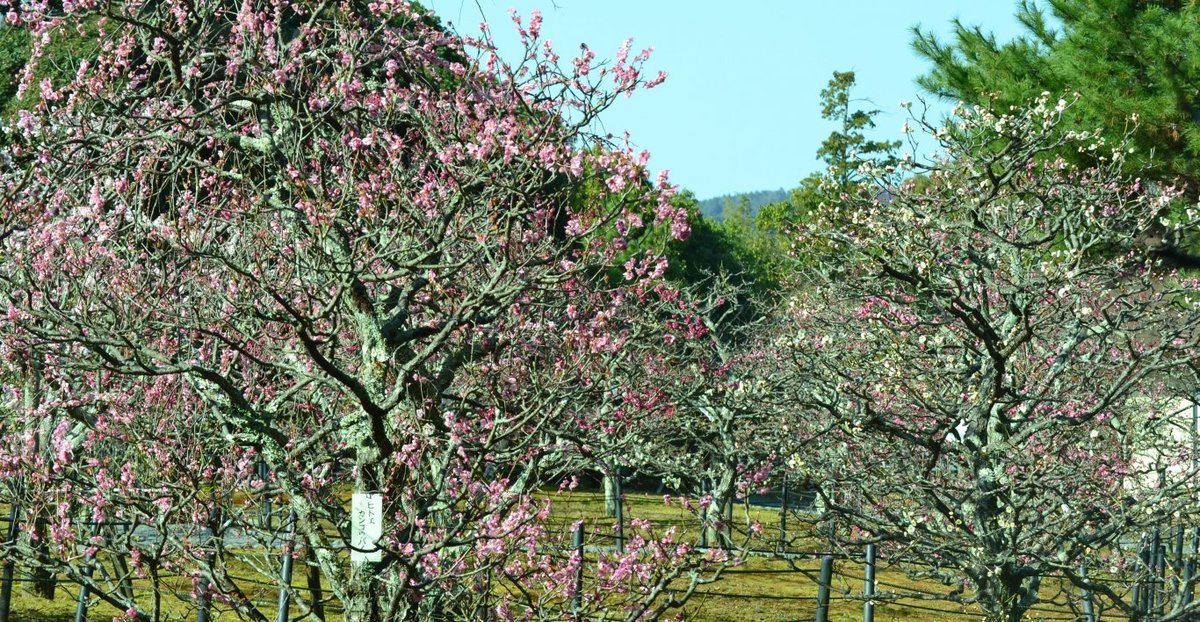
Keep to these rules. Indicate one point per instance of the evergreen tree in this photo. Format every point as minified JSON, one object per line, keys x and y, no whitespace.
{"x":844,"y":149}
{"x":843,"y":152}
{"x":1126,"y":66}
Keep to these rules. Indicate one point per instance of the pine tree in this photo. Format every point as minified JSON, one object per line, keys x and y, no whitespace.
{"x":1126,"y":66}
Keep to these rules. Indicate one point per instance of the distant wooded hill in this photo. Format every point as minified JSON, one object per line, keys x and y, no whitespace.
{"x":715,"y":207}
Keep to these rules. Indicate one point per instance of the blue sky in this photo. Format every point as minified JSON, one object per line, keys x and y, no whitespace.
{"x":740,"y":110}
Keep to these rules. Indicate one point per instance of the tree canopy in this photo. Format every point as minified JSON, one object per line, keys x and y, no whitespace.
{"x":279,"y":252}
{"x":1130,"y":66}
{"x":305,"y":255}
{"x":996,"y":366}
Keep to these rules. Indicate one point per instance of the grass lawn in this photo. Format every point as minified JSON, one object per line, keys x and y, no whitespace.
{"x":762,"y":588}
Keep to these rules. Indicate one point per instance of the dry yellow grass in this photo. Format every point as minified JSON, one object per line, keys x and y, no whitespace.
{"x":761,"y":589}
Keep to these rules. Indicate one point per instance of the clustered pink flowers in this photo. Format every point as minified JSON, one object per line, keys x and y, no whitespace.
{"x":259,"y":255}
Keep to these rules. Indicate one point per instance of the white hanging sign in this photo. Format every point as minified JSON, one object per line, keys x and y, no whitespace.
{"x":366,"y":526}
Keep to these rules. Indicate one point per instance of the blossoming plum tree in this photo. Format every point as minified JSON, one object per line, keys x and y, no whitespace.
{"x":996,"y":361}
{"x":729,"y":427}
{"x":282,"y":251}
